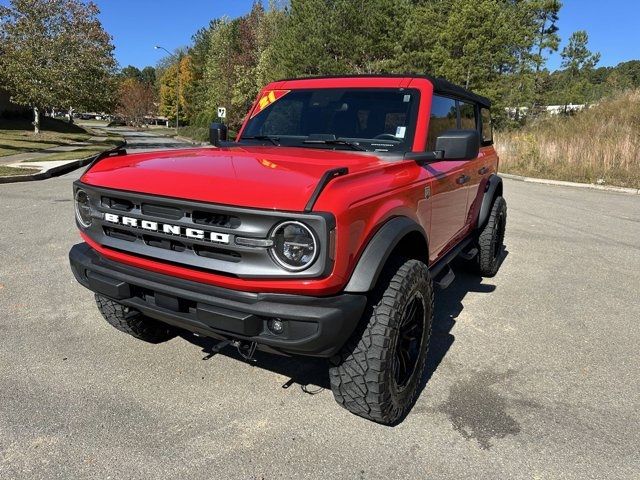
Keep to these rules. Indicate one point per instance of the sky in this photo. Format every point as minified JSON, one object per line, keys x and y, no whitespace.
{"x":138,"y":25}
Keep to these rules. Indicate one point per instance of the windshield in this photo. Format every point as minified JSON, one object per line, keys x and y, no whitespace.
{"x":337,"y":118}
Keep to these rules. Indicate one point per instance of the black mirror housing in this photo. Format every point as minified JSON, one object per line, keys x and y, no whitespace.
{"x":459,"y":144}
{"x":217,"y":133}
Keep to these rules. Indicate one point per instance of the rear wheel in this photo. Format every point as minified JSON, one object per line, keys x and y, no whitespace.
{"x":377,"y":374}
{"x":491,"y":239}
{"x":133,"y":322}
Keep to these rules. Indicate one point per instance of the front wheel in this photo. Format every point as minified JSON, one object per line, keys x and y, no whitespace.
{"x":377,"y":374}
{"x":132,"y":322}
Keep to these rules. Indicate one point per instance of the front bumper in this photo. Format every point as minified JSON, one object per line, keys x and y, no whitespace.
{"x":314,"y":326}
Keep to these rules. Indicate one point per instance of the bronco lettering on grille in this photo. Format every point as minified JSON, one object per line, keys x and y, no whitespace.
{"x":169,"y":229}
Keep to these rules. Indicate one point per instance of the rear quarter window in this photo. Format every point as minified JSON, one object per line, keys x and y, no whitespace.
{"x":487,"y":127}
{"x":468,"y":116}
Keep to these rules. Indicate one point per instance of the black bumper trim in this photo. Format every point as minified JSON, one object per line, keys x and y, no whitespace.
{"x":315,"y":326}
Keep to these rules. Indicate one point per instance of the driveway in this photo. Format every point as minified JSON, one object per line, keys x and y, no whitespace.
{"x":532,"y":374}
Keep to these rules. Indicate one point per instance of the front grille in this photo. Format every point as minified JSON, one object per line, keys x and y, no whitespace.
{"x":196,"y":234}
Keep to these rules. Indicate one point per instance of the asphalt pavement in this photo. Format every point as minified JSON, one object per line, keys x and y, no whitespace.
{"x":532,"y":374}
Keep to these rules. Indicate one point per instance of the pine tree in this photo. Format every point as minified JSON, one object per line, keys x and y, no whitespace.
{"x":578,"y":62}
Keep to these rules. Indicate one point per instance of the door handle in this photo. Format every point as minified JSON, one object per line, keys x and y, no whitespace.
{"x":462,"y":179}
{"x":483,"y":170}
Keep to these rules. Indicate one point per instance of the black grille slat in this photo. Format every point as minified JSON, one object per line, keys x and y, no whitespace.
{"x":212,"y":219}
{"x":120,"y":234}
{"x":162,"y":211}
{"x":164,"y":243}
{"x":118,"y":204}
{"x":216,"y":253}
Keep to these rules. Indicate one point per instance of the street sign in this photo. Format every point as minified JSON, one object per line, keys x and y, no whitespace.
{"x":222,"y":112}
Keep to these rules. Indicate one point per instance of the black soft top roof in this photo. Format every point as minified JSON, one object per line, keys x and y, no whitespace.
{"x":440,"y":85}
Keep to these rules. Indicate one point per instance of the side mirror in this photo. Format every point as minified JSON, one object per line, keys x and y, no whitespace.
{"x":217,"y":133}
{"x":459,"y":144}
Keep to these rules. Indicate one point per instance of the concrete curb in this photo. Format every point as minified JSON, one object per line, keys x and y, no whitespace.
{"x":55,"y":171}
{"x":561,"y":183}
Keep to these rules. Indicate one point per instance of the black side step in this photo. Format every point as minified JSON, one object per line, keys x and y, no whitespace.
{"x":469,"y":254}
{"x":444,"y":278}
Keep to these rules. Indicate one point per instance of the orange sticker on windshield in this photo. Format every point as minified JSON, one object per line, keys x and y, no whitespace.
{"x":267,"y":99}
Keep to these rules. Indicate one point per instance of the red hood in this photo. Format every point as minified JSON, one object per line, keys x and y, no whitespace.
{"x":280,"y":178}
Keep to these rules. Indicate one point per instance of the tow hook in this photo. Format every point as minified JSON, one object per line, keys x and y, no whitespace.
{"x":245,"y":349}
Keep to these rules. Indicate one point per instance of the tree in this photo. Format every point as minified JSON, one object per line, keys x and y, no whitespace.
{"x":219,"y":69}
{"x":172,"y":85}
{"x":136,"y":100}
{"x":55,"y":54}
{"x":545,"y":14}
{"x":148,"y":75}
{"x":273,"y":22}
{"x":323,"y":37}
{"x":578,"y":62}
{"x":131,"y":72}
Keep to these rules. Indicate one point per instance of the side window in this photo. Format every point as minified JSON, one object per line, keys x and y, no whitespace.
{"x":443,"y":117}
{"x":468,"y":116}
{"x":487,"y":128}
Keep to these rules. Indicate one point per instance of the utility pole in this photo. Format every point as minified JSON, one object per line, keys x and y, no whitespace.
{"x":158,"y":47}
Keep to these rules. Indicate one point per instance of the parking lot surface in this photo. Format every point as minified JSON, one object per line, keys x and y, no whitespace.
{"x":532,"y":374}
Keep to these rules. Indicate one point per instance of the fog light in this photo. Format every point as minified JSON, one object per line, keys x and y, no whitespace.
{"x":276,"y":326}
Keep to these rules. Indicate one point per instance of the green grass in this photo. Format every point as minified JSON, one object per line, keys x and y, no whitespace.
{"x":16,"y":136}
{"x":12,"y":171}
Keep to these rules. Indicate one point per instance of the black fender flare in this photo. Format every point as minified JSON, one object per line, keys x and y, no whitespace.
{"x":377,"y":252}
{"x":493,"y":185}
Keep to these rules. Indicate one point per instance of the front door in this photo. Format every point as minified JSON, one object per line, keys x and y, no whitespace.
{"x":448,"y":205}
{"x":448,"y":192}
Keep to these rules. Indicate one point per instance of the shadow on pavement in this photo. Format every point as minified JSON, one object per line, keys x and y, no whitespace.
{"x":311,"y":374}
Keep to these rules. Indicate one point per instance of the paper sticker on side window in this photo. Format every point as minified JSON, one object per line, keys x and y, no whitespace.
{"x":401,"y":131}
{"x":267,"y":99}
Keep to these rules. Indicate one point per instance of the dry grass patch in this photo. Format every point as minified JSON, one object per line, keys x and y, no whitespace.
{"x":600,"y":145}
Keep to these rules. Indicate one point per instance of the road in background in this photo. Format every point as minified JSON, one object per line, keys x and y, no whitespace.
{"x":532,"y":374}
{"x":147,"y":140}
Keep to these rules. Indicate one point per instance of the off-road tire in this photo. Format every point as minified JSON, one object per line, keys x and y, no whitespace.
{"x":132,"y":322}
{"x":491,"y":240}
{"x":362,"y":375}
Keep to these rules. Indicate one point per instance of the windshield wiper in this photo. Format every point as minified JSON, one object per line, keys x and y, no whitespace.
{"x":336,"y":141}
{"x":273,"y":139}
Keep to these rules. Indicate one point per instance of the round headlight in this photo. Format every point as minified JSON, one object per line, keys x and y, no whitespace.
{"x":294,"y":246}
{"x":83,"y":208}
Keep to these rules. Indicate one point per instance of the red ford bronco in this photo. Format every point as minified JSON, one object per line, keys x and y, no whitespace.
{"x":321,"y":230}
